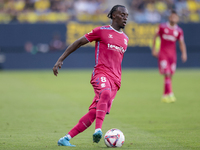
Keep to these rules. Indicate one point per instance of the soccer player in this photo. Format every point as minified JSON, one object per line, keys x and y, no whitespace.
{"x":110,"y":45}
{"x":169,"y":33}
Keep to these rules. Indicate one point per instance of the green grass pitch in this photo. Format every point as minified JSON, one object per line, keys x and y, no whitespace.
{"x":37,"y":108}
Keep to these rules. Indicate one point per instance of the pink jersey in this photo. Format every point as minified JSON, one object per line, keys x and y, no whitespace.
{"x":169,"y":35}
{"x":109,"y":51}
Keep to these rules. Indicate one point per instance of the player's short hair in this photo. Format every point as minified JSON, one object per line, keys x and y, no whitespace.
{"x":113,"y":10}
{"x":173,"y":11}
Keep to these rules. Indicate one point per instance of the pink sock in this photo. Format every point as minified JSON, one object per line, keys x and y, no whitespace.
{"x":168,"y":85}
{"x":102,"y":108}
{"x":83,"y":123}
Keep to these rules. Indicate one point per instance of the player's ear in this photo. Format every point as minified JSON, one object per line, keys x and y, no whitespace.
{"x":114,"y":15}
{"x":169,"y":17}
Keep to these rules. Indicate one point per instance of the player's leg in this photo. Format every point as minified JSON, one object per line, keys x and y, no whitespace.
{"x":83,"y":124}
{"x":168,"y":71}
{"x":102,"y":106}
{"x":167,"y":88}
{"x":164,"y":68}
{"x":113,"y":94}
{"x":102,"y":88}
{"x":172,"y":71}
{"x":101,"y":111}
{"x":104,"y":102}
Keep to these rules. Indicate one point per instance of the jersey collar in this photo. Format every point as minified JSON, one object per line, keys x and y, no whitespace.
{"x":116,"y":30}
{"x":171,"y":27}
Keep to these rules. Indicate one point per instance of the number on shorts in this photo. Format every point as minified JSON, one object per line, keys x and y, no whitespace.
{"x":173,"y":67}
{"x":163,"y":64}
{"x":103,"y":79}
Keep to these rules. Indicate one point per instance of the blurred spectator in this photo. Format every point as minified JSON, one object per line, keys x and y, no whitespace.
{"x":194,"y":10}
{"x":181,"y":7}
{"x":161,"y":6}
{"x":29,"y":4}
{"x":91,"y":10}
{"x":138,"y":12}
{"x":42,"y":5}
{"x":170,"y":4}
{"x":192,"y":5}
{"x":13,"y":7}
{"x":86,"y":6}
{"x":53,"y":11}
{"x":162,"y":9}
{"x":152,"y":16}
{"x":139,"y":16}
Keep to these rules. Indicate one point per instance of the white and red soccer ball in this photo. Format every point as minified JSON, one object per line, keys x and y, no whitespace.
{"x":114,"y":138}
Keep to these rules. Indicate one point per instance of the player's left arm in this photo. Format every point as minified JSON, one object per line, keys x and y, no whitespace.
{"x":183,"y":50}
{"x":154,"y":52}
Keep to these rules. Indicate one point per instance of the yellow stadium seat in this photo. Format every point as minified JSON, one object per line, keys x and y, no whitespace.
{"x":31,"y":17}
{"x":52,"y":17}
{"x":19,"y":5}
{"x":21,"y":17}
{"x":5,"y":18}
{"x":42,"y":5}
{"x":63,"y":17}
{"x":83,"y":17}
{"x":194,"y":17}
{"x":160,"y":6}
{"x":192,"y":5}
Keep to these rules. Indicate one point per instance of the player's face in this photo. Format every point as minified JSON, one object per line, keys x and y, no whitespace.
{"x":173,"y":18}
{"x":121,"y":17}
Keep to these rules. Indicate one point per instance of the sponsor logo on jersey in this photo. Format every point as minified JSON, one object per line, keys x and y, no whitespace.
{"x":169,"y":37}
{"x":166,"y":30}
{"x":97,"y":80}
{"x":125,"y":42}
{"x":116,"y":48}
{"x":110,"y":36}
{"x":175,"y":33}
{"x":103,"y":85}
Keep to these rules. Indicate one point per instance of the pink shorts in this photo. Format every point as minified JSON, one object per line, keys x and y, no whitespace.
{"x":100,"y":82}
{"x":167,"y":65}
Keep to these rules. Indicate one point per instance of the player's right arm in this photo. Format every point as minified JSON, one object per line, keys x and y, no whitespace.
{"x":182,"y":47}
{"x":183,"y":50}
{"x":153,"y":51}
{"x":71,"y":48}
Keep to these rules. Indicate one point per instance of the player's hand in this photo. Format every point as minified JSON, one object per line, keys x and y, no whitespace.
{"x":56,"y":66}
{"x":154,"y":53}
{"x":184,"y":57}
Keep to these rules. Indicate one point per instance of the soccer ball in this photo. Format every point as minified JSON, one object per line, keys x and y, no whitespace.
{"x":114,"y":138}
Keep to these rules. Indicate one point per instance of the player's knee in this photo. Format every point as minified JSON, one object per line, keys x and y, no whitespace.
{"x":92,"y":114}
{"x":105,"y":96}
{"x":167,"y":74}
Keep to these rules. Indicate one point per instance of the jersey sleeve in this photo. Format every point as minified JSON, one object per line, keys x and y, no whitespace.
{"x":94,"y":35}
{"x":181,"y":35}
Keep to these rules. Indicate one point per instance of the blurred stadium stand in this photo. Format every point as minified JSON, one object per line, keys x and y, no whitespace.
{"x":43,"y":27}
{"x":55,"y":11}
